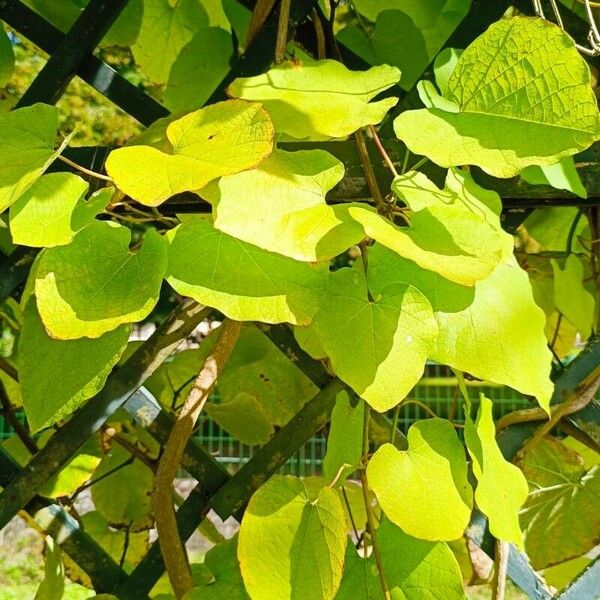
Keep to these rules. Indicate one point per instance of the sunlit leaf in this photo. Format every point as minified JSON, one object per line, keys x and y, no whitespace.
{"x":518,"y":105}
{"x":287,"y":531}
{"x":220,"y":139}
{"x":96,"y":283}
{"x":319,"y":100}
{"x":424,"y":490}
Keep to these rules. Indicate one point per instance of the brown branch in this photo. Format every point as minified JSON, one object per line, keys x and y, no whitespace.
{"x":501,"y":564}
{"x":260,"y":14}
{"x":172,"y":548}
{"x":282,"y":30}
{"x":369,"y":172}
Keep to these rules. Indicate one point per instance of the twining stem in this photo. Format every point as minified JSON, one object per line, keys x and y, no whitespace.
{"x":319,"y":34}
{"x":383,"y":151}
{"x":369,"y":509}
{"x":395,"y":424}
{"x":172,"y":548}
{"x":260,"y":14}
{"x":369,"y":172}
{"x":9,"y":369}
{"x":501,"y":564}
{"x":89,"y":172}
{"x":282,"y":30}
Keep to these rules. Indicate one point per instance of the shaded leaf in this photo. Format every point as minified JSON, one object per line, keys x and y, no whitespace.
{"x":243,"y":281}
{"x":55,"y":380}
{"x":561,"y":518}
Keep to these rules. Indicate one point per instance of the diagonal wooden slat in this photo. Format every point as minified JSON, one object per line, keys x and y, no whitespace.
{"x":586,"y":586}
{"x":85,"y":34}
{"x":230,"y":498}
{"x":104,"y":572}
{"x":120,"y":386}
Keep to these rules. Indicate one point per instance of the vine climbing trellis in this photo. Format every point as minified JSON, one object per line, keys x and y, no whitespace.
{"x":71,"y":54}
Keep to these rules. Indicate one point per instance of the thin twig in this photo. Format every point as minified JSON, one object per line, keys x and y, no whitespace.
{"x":172,"y":548}
{"x":501,"y":564}
{"x":369,"y":509}
{"x":369,"y":172}
{"x":20,"y":429}
{"x":352,"y":522}
{"x":73,"y":164}
{"x":319,"y":34}
{"x":383,"y":151}
{"x":9,"y":369}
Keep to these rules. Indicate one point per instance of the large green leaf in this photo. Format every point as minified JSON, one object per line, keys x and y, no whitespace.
{"x":54,"y":379}
{"x":407,"y":34}
{"x":96,"y":283}
{"x":243,"y":281}
{"x":561,"y":518}
{"x":562,"y":176}
{"x":198,"y":69}
{"x":344,"y":442}
{"x":499,"y":336}
{"x":26,"y":149}
{"x":226,"y":582}
{"x":523,"y":97}
{"x":121,"y":490}
{"x":166,"y":28}
{"x":319,"y":100}
{"x":414,"y":569}
{"x":218,"y":140}
{"x":424,"y":490}
{"x":367,"y":339}
{"x":53,"y":210}
{"x":292,"y":541}
{"x":501,"y":488}
{"x":280,"y":206}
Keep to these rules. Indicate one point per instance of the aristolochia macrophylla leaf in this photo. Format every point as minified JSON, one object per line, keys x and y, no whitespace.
{"x":367,"y":339}
{"x":218,"y":140}
{"x":494,"y":330}
{"x":292,"y":541}
{"x":57,"y":376}
{"x":54,"y":209}
{"x":280,"y":206}
{"x":319,"y":100}
{"x":501,"y":487}
{"x":524,"y":98}
{"x":425,"y":489}
{"x":425,"y":566}
{"x":243,"y":281}
{"x":96,"y":283}
{"x":26,"y":149}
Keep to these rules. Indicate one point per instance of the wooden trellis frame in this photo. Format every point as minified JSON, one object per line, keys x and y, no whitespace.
{"x":72,"y":54}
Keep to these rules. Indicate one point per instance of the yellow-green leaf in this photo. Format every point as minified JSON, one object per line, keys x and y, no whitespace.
{"x":517,"y":104}
{"x":321,"y":99}
{"x":292,"y":541}
{"x":96,"y":283}
{"x":501,"y":487}
{"x":218,"y":140}
{"x":243,"y":281}
{"x":424,"y":490}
